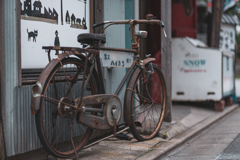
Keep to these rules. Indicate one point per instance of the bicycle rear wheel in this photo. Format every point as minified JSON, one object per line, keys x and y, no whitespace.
{"x":148,"y":101}
{"x":56,"y":120}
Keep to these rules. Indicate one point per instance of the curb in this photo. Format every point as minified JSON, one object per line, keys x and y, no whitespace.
{"x":181,"y":138}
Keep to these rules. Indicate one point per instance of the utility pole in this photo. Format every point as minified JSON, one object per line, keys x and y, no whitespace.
{"x":215,"y":22}
{"x":98,"y":14}
{"x":85,"y":2}
{"x":166,"y":55}
{"x":3,"y":154}
{"x":61,"y":13}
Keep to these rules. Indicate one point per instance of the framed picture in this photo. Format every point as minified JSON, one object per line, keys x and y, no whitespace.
{"x":50,"y":23}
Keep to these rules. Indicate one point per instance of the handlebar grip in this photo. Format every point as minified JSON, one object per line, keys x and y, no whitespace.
{"x":98,"y":24}
{"x":161,"y":24}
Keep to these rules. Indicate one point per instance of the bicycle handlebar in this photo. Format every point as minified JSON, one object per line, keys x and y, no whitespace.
{"x":141,"y":21}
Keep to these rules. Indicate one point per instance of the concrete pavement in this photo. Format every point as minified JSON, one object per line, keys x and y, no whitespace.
{"x":187,"y":121}
{"x":220,"y":141}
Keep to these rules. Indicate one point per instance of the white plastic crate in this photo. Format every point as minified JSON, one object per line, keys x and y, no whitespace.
{"x":200,"y":73}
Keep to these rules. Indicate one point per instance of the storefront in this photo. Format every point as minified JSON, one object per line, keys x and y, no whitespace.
{"x":27,"y":25}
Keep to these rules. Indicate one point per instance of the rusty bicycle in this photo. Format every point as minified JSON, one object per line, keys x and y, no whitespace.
{"x":69,"y":99}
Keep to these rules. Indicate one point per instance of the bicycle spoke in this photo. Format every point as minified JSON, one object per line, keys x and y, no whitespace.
{"x":137,"y":106}
{"x":141,"y":96}
{"x":72,"y":82}
{"x":159,"y":92}
{"x":149,"y":112}
{"x":58,"y":101}
{"x":51,"y":102}
{"x":58,"y":136}
{"x":67,"y":80}
{"x":55,"y":88}
{"x":50,"y":93}
{"x":61,"y":89}
{"x":54,"y":128}
{"x":144,"y":110}
{"x":137,"y":99}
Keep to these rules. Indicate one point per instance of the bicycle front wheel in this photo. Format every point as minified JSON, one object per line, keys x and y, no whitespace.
{"x":148,"y":101}
{"x":57,"y":127}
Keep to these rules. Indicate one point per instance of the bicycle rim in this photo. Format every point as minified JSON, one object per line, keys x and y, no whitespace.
{"x":148,"y":104}
{"x":57,"y":114}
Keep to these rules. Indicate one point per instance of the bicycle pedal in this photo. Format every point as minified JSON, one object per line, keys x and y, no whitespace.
{"x":122,"y":136}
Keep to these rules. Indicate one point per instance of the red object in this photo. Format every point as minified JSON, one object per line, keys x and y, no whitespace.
{"x":209,"y":4}
{"x":219,"y":106}
{"x":183,"y":25}
{"x":155,"y":86}
{"x":157,"y":57}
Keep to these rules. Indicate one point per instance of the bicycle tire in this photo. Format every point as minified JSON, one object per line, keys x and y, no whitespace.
{"x":52,"y":121}
{"x":148,"y":102}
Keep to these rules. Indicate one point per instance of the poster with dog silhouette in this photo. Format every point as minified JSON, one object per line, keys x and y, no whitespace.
{"x":42,"y":19}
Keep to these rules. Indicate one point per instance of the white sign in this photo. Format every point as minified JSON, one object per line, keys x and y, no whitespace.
{"x":49,"y":23}
{"x":227,"y":46}
{"x":228,"y":73}
{"x":227,"y":38}
{"x":116,"y":59}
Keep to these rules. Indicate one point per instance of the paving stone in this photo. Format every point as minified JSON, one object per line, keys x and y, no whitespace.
{"x":104,"y":152}
{"x":186,"y":119}
{"x":216,"y":139}
{"x":225,"y":130}
{"x":193,"y":157}
{"x":206,"y":149}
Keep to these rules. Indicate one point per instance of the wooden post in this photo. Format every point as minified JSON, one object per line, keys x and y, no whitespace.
{"x":61,"y":13}
{"x":142,"y":15}
{"x":2,"y":142}
{"x":19,"y":63}
{"x":91,"y":15}
{"x":166,"y":55}
{"x":98,"y":14}
{"x":217,"y":9}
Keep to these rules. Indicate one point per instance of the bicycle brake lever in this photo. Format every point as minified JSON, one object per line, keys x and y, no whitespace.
{"x":164,"y":32}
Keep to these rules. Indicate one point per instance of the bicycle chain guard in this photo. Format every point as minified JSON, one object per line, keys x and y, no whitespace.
{"x":112,"y":110}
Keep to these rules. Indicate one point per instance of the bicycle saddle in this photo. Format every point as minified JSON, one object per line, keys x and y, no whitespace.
{"x":91,"y":38}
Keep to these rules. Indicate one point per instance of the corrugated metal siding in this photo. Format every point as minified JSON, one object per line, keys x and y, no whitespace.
{"x":20,"y":130}
{"x":114,"y":10}
{"x":230,"y":19}
{"x":25,"y":133}
{"x":63,"y":123}
{"x":10,"y":70}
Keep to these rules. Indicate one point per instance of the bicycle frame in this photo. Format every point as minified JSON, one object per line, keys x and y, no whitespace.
{"x":93,"y":53}
{"x":135,"y":62}
{"x":73,"y":98}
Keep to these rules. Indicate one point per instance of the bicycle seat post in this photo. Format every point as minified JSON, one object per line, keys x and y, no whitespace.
{"x":135,"y":44}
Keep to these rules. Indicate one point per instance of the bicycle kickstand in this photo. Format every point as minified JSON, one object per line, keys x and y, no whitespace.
{"x":114,"y":113}
{"x":119,"y":136}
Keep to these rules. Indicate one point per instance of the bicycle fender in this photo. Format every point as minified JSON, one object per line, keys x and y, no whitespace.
{"x":147,"y":60}
{"x":128,"y":93}
{"x":128,"y":96}
{"x":35,"y":100}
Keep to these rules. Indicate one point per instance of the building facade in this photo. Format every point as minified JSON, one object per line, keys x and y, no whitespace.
{"x":19,"y":131}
